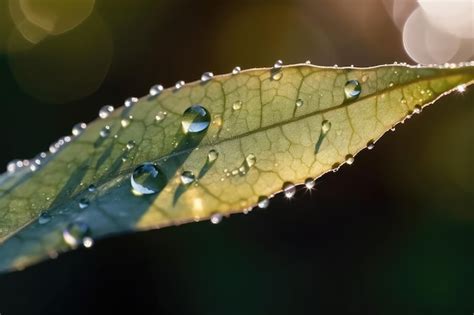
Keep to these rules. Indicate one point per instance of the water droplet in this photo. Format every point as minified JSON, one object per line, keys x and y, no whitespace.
{"x":207,"y":76}
{"x":160,"y":116}
{"x":403,"y":101}
{"x":78,"y":129}
{"x":105,"y":131}
{"x":212,"y":156}
{"x":83,"y":203}
{"x":299,"y":102}
{"x":325,"y":126}
{"x":237,"y":105}
{"x":352,"y":89}
{"x":277,"y":75}
{"x":250,"y":160}
{"x":12,"y":166}
{"x":391,"y":84}
{"x":309,"y":183}
{"x":156,"y":90}
{"x":236,"y":70}
{"x":370,"y":144}
{"x":349,"y":159}
{"x":75,"y":232}
{"x":187,"y":177}
{"x":178,"y":85}
{"x":147,"y":179}
{"x":130,"y":145}
{"x":129,"y":102}
{"x":417,"y":109}
{"x":278,"y":64}
{"x":125,"y":122}
{"x":88,"y":242}
{"x":289,"y":190}
{"x":44,"y":218}
{"x":91,"y":188}
{"x":216,"y":218}
{"x":308,"y":62}
{"x":195,"y":119}
{"x":105,"y":111}
{"x":263,"y":202}
{"x":461,"y":88}
{"x":364,"y":78}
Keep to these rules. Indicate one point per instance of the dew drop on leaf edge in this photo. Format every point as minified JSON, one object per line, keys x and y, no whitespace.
{"x":75,"y":233}
{"x":263,"y":202}
{"x":147,"y":179}
{"x":289,"y":190}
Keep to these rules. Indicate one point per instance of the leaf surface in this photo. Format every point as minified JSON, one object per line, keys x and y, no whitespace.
{"x":269,"y":128}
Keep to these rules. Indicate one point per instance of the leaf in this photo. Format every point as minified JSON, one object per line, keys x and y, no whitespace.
{"x":269,"y":128}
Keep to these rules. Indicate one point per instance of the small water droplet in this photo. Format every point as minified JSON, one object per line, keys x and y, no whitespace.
{"x":461,"y":88}
{"x":212,"y":156}
{"x":237,"y":105}
{"x":370,"y":144}
{"x":84,"y":203}
{"x":278,"y":64}
{"x":105,"y":131}
{"x":147,"y":179}
{"x":187,"y":177}
{"x":156,"y":90}
{"x":207,"y":76}
{"x":91,"y":188}
{"x":352,"y":89}
{"x":105,"y":111}
{"x":309,"y":183}
{"x":364,"y":78}
{"x":78,"y":129}
{"x":75,"y":232}
{"x":299,"y":102}
{"x":160,"y":116}
{"x":403,"y":101}
{"x":263,"y":202}
{"x":391,"y":84}
{"x":308,"y":62}
{"x":125,"y":122}
{"x":289,"y":190}
{"x":349,"y":159}
{"x":417,"y":109}
{"x":130,"y":145}
{"x":129,"y":102}
{"x":250,"y":160}
{"x":216,"y":218}
{"x":88,"y":242}
{"x":178,"y":85}
{"x":325,"y":126}
{"x":236,"y":70}
{"x":44,"y":218}
{"x":195,"y":119}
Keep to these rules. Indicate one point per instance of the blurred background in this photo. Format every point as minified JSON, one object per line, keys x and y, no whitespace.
{"x":391,"y":234}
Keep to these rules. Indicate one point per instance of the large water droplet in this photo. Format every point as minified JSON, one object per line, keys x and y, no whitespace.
{"x":156,"y":90}
{"x":289,"y":190}
{"x":352,"y":89}
{"x":263,"y":202}
{"x":105,"y":111}
{"x":78,"y":129}
{"x":216,"y":218}
{"x":309,"y":183}
{"x":129,"y":102}
{"x":212,"y":156}
{"x":147,"y":179}
{"x":237,"y":105}
{"x":207,"y":76}
{"x":84,"y":203}
{"x":195,"y":119}
{"x":236,"y":70}
{"x":44,"y":218}
{"x":105,"y":131}
{"x":75,"y":233}
{"x":187,"y":177}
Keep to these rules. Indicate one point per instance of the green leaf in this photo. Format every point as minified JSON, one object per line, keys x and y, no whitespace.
{"x":269,"y":128}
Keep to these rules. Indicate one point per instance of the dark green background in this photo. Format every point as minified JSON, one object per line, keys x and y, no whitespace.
{"x":391,"y":234}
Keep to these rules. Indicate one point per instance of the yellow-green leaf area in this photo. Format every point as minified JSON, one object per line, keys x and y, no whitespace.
{"x":267,"y":127}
